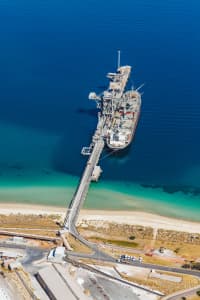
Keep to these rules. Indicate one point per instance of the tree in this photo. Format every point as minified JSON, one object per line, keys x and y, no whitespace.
{"x":198,"y":293}
{"x":177,"y":250}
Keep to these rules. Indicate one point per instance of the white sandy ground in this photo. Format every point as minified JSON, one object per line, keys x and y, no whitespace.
{"x":120,"y":217}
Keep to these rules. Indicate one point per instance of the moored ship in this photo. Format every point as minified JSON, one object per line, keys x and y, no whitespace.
{"x":124,"y":120}
{"x":120,"y":109}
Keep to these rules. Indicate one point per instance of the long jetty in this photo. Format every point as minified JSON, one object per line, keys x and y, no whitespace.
{"x":84,"y":183}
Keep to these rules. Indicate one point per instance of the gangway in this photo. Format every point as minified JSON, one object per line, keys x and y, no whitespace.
{"x":86,"y":150}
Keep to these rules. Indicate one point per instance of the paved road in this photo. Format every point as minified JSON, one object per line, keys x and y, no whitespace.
{"x":30,"y":255}
{"x":167,"y":269}
{"x":98,"y":256}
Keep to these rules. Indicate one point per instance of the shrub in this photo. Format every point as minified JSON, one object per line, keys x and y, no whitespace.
{"x":198,"y":293}
{"x":132,"y":237}
{"x":177,"y":250}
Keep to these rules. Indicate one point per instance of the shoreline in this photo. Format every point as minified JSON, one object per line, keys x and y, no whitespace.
{"x":116,"y":216}
{"x":107,"y":196}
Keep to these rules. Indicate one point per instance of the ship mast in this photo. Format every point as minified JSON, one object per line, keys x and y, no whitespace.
{"x":118,"y":60}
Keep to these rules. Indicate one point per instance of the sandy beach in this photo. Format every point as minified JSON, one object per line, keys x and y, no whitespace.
{"x":120,"y":217}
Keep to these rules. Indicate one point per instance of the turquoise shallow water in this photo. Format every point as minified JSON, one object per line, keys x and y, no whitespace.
{"x":109,"y":196}
{"x":57,"y":189}
{"x":53,"y":54}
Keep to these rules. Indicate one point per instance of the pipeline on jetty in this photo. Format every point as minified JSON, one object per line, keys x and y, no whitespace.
{"x":83,"y":186}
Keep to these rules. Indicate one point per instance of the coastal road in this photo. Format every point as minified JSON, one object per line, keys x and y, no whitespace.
{"x":99,"y":257}
{"x":167,"y":269}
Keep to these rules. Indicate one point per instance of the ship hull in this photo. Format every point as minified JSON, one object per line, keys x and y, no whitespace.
{"x":124,"y":121}
{"x":118,"y":148}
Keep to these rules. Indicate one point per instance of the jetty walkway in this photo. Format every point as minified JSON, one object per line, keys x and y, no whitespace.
{"x":84,"y":183}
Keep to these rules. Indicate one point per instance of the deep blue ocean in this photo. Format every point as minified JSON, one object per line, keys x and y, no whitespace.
{"x":53,"y":53}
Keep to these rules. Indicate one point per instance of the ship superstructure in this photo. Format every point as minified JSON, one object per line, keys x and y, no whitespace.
{"x":120,"y":109}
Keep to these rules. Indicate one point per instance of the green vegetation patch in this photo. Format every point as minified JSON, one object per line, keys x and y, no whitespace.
{"x":120,"y":243}
{"x":198,"y":293}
